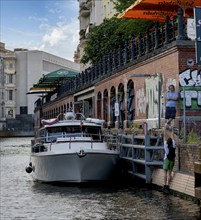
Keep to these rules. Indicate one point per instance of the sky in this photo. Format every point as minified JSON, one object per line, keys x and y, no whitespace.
{"x":51,"y":26}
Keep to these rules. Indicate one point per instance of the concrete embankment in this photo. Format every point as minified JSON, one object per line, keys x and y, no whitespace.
{"x":16,"y":134}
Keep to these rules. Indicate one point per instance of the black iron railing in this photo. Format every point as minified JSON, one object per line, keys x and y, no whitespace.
{"x":121,"y":57}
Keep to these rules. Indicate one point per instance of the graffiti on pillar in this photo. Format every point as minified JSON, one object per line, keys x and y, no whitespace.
{"x":140,"y":102}
{"x":130,"y":104}
{"x":152,"y":97}
{"x":121,"y":104}
{"x":121,"y":108}
{"x":190,"y":86}
{"x":112,"y":108}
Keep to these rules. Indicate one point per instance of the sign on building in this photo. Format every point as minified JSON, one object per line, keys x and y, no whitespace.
{"x":197,"y":12}
{"x":116,"y":108}
{"x":191,"y":28}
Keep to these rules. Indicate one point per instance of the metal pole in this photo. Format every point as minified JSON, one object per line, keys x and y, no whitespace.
{"x":184,"y":114}
{"x":159,"y":101}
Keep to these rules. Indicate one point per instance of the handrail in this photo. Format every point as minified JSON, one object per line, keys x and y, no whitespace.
{"x":111,"y":141}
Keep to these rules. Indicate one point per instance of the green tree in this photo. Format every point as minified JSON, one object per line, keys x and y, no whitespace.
{"x":111,"y":34}
{"x":121,"y":5}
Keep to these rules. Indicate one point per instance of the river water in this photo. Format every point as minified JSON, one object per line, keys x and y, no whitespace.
{"x":22,"y":198}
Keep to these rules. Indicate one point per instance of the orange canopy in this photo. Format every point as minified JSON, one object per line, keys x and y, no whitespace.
{"x":159,"y":9}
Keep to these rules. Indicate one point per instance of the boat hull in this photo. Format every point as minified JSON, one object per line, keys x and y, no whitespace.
{"x":74,"y":167}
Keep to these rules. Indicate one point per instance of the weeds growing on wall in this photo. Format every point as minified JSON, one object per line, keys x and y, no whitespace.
{"x":192,"y":137}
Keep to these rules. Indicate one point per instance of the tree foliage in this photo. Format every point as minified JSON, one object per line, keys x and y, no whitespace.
{"x":111,"y":34}
{"x":121,"y":5}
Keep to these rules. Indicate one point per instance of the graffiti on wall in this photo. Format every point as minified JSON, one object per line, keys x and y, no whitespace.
{"x":130,"y":104}
{"x":140,"y":102}
{"x":190,"y":83}
{"x":170,"y":81}
{"x":152,"y":97}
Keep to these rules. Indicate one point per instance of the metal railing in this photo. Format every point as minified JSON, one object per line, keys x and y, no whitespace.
{"x":141,"y":153}
{"x":112,"y":141}
{"x":120,"y":57}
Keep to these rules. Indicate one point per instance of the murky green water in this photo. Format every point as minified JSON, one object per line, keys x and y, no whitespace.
{"x":21,"y":198}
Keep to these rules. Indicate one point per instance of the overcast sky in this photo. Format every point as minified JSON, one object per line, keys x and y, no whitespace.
{"x":47,"y":25}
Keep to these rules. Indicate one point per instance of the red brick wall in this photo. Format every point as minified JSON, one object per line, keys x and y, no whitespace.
{"x":169,"y":62}
{"x":189,"y":153}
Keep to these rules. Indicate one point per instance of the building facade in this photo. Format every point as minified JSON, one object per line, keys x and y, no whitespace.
{"x":130,"y":86}
{"x":91,"y":13}
{"x":20,"y":69}
{"x":7,"y":85}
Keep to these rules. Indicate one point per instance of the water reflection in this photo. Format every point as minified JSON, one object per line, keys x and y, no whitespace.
{"x":22,"y":198}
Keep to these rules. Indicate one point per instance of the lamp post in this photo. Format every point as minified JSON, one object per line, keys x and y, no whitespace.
{"x":159,"y":92}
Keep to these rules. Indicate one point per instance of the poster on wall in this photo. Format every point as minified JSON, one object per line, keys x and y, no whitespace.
{"x":191,"y":28}
{"x":116,"y":109}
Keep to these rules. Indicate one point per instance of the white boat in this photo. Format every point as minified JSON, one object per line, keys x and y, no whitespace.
{"x":73,"y":150}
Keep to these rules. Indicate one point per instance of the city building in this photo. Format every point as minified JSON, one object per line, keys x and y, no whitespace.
{"x":20,"y":69}
{"x":7,"y":85}
{"x":91,"y":13}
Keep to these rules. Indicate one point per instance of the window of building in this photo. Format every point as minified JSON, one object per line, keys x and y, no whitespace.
{"x":10,"y":78}
{"x":10,"y":113}
{"x":23,"y":110}
{"x":10,"y":95}
{"x":2,"y":111}
{"x":2,"y":95}
{"x":9,"y":65}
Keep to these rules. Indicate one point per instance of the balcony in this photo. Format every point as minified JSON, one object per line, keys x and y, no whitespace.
{"x":89,"y":3}
{"x":84,"y":10}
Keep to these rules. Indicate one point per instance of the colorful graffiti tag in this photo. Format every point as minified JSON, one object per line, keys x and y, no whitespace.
{"x":190,"y":83}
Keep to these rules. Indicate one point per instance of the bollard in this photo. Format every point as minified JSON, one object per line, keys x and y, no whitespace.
{"x":197,"y":171}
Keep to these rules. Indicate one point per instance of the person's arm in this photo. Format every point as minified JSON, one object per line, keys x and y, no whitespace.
{"x":172,"y":134}
{"x":165,"y":134}
{"x":173,"y":137}
{"x":173,"y":99}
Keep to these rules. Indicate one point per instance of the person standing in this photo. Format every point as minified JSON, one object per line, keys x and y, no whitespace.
{"x":169,"y":158}
{"x":171,"y":101}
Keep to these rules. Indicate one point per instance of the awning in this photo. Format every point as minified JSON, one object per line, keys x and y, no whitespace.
{"x":159,"y":9}
{"x":40,"y":90}
{"x":52,"y":80}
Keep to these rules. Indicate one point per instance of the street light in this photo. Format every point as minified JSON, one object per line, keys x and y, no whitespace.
{"x":159,"y":91}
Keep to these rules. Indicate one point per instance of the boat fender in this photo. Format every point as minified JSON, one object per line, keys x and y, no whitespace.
{"x":81,"y":154}
{"x":29,"y":168}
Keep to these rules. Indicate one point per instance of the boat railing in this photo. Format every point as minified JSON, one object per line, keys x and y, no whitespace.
{"x":112,"y":141}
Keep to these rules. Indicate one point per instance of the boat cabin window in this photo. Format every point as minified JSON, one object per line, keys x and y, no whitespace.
{"x":54,"y":133}
{"x":94,"y":132}
{"x":73,"y":131}
{"x":41,"y":135}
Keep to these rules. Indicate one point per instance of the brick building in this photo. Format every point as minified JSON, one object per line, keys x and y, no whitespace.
{"x":108,"y":91}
